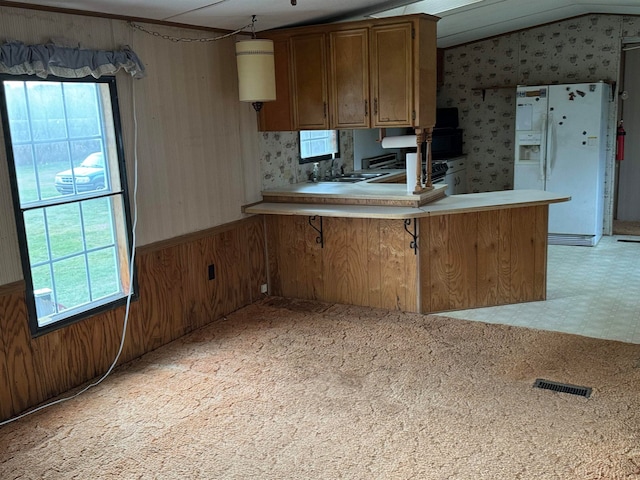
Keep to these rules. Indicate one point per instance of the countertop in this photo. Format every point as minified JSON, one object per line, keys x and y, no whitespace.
{"x":470,"y":202}
{"x":374,"y":192}
{"x":371,"y":188}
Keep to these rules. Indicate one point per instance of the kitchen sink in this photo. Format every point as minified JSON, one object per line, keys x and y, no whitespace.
{"x":345,"y":179}
{"x":366,"y":176}
{"x":354,"y":177}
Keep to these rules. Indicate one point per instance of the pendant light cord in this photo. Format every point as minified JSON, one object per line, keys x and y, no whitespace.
{"x":195,"y":39}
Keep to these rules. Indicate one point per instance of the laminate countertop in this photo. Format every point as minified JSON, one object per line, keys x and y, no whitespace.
{"x":470,"y":202}
{"x":379,"y":191}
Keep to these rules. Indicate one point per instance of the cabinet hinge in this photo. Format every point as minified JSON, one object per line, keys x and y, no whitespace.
{"x":413,"y":115}
{"x":413,"y":33}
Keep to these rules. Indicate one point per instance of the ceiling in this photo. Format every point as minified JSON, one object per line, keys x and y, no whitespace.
{"x":483,"y":19}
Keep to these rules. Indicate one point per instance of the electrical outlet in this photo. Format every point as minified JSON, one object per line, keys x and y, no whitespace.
{"x":212,"y":272}
{"x":263,"y":288}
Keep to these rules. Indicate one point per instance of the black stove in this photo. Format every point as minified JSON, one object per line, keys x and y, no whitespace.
{"x":438,"y":170}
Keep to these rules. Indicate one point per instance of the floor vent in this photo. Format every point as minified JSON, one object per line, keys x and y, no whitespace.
{"x":628,"y":240}
{"x":562,"y":387}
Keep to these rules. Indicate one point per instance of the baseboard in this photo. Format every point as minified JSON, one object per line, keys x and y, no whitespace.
{"x":575,"y":240}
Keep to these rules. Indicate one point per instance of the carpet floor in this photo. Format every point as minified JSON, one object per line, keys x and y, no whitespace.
{"x":286,"y":389}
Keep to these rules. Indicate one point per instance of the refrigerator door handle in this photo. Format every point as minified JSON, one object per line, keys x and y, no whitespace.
{"x":551,"y":153}
{"x":543,"y":147}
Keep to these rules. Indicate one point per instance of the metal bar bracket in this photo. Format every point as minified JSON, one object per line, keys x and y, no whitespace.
{"x":414,"y":235}
{"x":320,"y":237}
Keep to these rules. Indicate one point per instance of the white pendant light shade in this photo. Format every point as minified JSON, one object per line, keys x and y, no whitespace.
{"x":256,"y":71}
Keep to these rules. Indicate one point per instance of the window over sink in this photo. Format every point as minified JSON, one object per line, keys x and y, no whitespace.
{"x":316,"y":145}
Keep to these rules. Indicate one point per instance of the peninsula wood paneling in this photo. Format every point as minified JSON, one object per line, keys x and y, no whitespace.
{"x":309,"y":278}
{"x":340,"y":282}
{"x":295,"y":258}
{"x":363,"y":262}
{"x":504,"y":255}
{"x":463,"y":255}
{"x":452,"y":252}
{"x":175,"y":297}
{"x":398,"y":267}
{"x":488,"y":258}
{"x":374,"y":266}
{"x":483,"y":258}
{"x":523,"y":229}
{"x":540,"y":254}
{"x":435,"y":287}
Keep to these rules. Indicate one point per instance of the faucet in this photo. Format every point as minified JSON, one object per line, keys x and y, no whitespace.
{"x":335,"y":169}
{"x":330,"y":173}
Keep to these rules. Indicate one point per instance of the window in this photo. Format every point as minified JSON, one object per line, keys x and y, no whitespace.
{"x":64,"y":149}
{"x":318,"y":145}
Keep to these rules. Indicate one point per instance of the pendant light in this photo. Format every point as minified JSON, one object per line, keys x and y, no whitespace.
{"x":256,"y":70}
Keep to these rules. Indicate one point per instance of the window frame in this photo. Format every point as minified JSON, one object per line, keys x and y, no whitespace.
{"x":318,"y":158}
{"x":19,"y":212}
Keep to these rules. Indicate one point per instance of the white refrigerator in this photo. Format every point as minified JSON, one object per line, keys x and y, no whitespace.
{"x":560,"y":146}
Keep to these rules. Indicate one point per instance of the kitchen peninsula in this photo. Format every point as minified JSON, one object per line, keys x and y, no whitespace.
{"x":379,"y":244}
{"x":457,"y":252}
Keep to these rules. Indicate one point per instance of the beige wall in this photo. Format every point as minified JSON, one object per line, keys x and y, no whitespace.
{"x":198,"y":156}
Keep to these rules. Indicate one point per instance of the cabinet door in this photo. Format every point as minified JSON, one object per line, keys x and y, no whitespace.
{"x":349,"y":52}
{"x":276,"y":115}
{"x":309,"y":77}
{"x":392,"y":75}
{"x":456,"y":182}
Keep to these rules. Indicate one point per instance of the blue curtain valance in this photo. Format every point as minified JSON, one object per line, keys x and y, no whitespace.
{"x":50,"y":59}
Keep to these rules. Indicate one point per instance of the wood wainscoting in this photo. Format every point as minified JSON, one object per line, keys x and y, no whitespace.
{"x":484,"y":258}
{"x":364,"y":261}
{"x":464,"y":260}
{"x":175,"y":297}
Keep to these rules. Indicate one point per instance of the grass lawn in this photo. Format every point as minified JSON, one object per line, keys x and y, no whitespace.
{"x":73,"y":229}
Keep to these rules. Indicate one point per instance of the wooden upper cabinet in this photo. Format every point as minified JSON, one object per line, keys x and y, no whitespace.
{"x":276,"y":115}
{"x":349,"y":78}
{"x":425,"y":72}
{"x":309,"y":82}
{"x":373,"y":73}
{"x":392,"y":75}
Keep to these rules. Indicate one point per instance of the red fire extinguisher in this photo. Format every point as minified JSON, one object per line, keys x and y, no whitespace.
{"x":620,"y":142}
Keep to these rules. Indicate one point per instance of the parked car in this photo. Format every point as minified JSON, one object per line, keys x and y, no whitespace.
{"x":88,"y":176}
